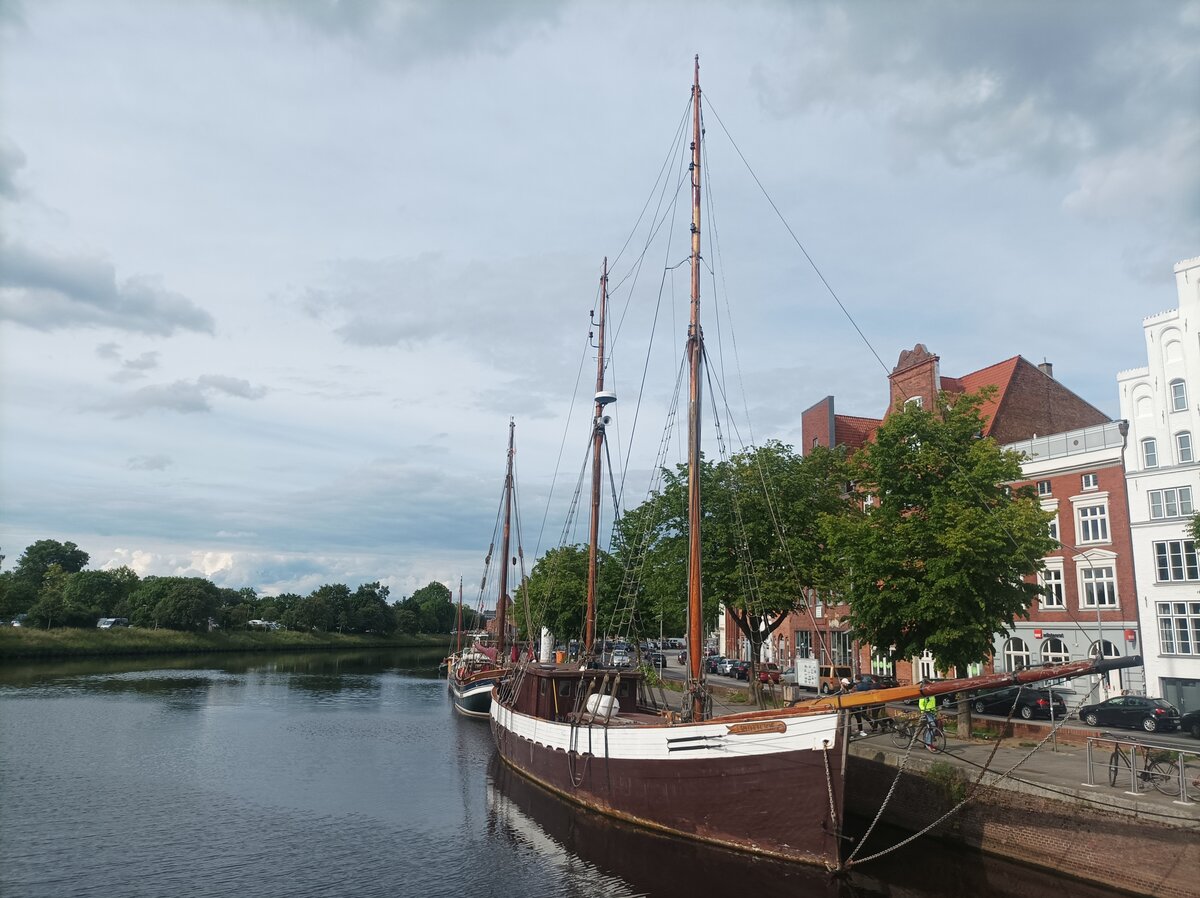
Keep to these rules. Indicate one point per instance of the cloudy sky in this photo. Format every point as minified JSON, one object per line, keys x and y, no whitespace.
{"x":275,"y":275}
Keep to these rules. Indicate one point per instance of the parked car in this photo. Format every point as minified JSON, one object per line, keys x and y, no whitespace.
{"x":1132,"y":712}
{"x":1030,"y":703}
{"x":621,"y":658}
{"x":831,"y":676}
{"x":740,"y":670}
{"x":1190,"y":723}
{"x":878,"y":681}
{"x":725,"y":666}
{"x":657,"y":659}
{"x":712,"y":663}
{"x":108,"y":623}
{"x":769,"y":672}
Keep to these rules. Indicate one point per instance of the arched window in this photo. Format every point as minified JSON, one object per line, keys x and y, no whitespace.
{"x":1016,"y":654}
{"x":1178,"y":395}
{"x":1183,"y":447}
{"x":1110,"y":650}
{"x":1150,"y":452}
{"x":1054,"y":651}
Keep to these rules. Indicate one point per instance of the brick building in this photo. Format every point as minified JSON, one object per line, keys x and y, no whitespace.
{"x":1028,"y":404}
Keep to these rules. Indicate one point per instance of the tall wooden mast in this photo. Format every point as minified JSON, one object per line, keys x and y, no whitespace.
{"x":598,"y":422}
{"x":695,"y":349}
{"x":502,"y":601}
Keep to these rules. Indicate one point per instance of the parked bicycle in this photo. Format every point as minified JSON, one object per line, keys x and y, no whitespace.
{"x":1155,"y":771}
{"x":906,"y":729}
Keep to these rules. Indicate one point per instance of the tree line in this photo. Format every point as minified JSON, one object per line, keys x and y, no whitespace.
{"x":50,"y":587}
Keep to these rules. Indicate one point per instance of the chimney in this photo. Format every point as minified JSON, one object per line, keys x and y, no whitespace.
{"x":1047,"y":369}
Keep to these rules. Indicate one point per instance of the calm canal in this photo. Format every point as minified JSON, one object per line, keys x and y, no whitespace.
{"x":340,"y":774}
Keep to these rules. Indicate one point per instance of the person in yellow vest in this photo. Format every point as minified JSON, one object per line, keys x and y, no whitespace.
{"x":928,"y":707}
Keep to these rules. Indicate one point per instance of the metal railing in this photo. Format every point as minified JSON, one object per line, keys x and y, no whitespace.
{"x":1144,"y":766}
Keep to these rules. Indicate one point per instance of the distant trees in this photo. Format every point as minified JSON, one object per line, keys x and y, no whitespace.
{"x":50,"y":585}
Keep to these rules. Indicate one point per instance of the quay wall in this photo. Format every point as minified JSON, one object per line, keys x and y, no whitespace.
{"x":1118,"y":844}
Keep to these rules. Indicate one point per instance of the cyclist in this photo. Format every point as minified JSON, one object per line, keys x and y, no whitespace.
{"x":927,"y":704}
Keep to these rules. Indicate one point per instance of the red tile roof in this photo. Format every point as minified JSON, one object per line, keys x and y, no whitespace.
{"x":999,"y":374}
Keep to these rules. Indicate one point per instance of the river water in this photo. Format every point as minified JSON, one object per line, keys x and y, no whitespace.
{"x":332,"y":774}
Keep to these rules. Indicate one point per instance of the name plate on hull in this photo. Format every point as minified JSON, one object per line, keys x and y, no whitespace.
{"x":757,"y":727}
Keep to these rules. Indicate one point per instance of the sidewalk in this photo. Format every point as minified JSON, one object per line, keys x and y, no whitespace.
{"x":1061,"y":774}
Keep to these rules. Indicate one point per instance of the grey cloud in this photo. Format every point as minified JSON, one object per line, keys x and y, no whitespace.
{"x":135,"y":369}
{"x":149,"y":462}
{"x":233,"y":386}
{"x":11,"y":160}
{"x":1058,"y":86}
{"x":108,"y":351}
{"x":50,"y":293}
{"x":184,"y":397}
{"x":401,"y":33}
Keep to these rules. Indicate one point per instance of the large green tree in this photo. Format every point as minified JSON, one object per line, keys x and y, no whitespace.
{"x":760,"y":535}
{"x":173,"y":603}
{"x":937,"y":556}
{"x":23,"y":584}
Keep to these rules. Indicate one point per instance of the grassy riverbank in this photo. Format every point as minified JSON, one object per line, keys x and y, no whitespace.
{"x":26,"y":642}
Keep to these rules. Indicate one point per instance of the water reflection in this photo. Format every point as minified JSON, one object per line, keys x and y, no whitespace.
{"x":604,"y":856}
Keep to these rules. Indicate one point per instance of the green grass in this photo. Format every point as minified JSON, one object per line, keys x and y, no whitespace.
{"x":27,"y":642}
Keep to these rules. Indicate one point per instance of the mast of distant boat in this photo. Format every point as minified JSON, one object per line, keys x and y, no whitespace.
{"x":695,"y":349}
{"x":458,"y":619}
{"x":598,"y":422}
{"x":502,"y":600}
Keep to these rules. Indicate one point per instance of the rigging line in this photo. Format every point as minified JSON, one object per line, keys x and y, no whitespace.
{"x":561,"y":447}
{"x":679,"y":129}
{"x":796,"y":239}
{"x":657,"y":225}
{"x":649,"y":352}
{"x":828,"y":287}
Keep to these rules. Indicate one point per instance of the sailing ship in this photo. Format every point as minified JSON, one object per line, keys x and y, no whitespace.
{"x":474,"y":671}
{"x":767,"y":782}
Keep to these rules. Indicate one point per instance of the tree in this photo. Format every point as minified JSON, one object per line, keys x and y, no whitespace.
{"x":936,"y":557}
{"x":435,"y":611}
{"x":24,"y":583}
{"x":760,"y":537}
{"x":556,"y":591}
{"x":174,"y":603}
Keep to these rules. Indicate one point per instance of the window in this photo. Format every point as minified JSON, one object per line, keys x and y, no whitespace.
{"x":1178,"y":395}
{"x":1052,"y":588}
{"x":1053,"y":528}
{"x":1150,"y":453}
{"x":1093,"y":524}
{"x":841,"y":647}
{"x":1171,"y":503}
{"x":1179,"y":628}
{"x":1043,"y":487}
{"x":802,"y":640}
{"x":1054,"y":651}
{"x":882,"y":667}
{"x":925,"y":666}
{"x":1110,"y":650}
{"x":1090,"y":481}
{"x":1175,"y":559}
{"x":915,"y":401}
{"x":1183,"y":447}
{"x":1099,"y":587}
{"x":1016,"y":654}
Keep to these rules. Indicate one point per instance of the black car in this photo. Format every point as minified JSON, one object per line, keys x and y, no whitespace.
{"x":1031,"y":703}
{"x":657,"y":659}
{"x":740,"y":670}
{"x":1190,"y":723}
{"x":1132,"y":712}
{"x":711,"y":663}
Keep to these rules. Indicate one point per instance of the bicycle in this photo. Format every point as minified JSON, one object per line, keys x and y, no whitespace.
{"x":1162,"y":775}
{"x":1191,"y":777}
{"x":906,"y":730}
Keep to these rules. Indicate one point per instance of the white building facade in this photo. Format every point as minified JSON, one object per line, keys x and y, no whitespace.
{"x":1161,"y":402}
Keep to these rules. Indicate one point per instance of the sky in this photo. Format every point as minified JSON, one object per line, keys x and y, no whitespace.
{"x":275,"y":275}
